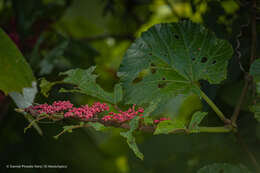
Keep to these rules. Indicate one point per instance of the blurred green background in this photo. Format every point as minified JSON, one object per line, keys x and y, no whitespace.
{"x":57,"y":35}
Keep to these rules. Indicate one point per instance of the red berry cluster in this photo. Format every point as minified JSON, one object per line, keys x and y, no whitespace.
{"x":123,"y":116}
{"x":56,"y":107}
{"x":88,"y":113}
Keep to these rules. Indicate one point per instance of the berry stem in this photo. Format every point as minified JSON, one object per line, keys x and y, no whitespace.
{"x":222,"y":129}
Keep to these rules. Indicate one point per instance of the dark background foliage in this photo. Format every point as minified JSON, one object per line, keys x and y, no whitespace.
{"x":57,"y":35}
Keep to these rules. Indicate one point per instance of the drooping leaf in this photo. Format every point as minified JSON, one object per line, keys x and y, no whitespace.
{"x":173,"y":57}
{"x":118,"y":93}
{"x":169,"y":126}
{"x":15,"y":72}
{"x":223,"y":168}
{"x":197,"y":117}
{"x":255,"y":72}
{"x":85,"y":81}
{"x":132,"y":144}
{"x":134,"y":123}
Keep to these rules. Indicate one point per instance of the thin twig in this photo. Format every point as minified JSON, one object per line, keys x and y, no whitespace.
{"x":142,"y":127}
{"x":240,"y":102}
{"x":252,"y":58}
{"x":253,"y":34}
{"x":237,"y":49}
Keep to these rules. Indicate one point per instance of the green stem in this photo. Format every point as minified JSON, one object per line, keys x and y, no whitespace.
{"x":222,"y":129}
{"x":215,"y":108}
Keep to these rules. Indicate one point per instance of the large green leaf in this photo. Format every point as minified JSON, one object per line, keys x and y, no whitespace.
{"x":15,"y":72}
{"x":223,"y":168}
{"x":255,"y":72}
{"x":169,"y":59}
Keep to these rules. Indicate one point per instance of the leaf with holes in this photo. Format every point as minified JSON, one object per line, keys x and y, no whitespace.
{"x":169,"y":59}
{"x":223,"y":168}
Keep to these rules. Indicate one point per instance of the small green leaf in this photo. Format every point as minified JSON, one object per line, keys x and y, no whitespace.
{"x":148,"y":120}
{"x":256,"y":110}
{"x":197,"y":117}
{"x":15,"y":72}
{"x":134,"y":123}
{"x":118,"y":93}
{"x":85,"y":81}
{"x":169,"y":126}
{"x":97,"y":126}
{"x":223,"y":168}
{"x":46,"y":86}
{"x":255,"y":72}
